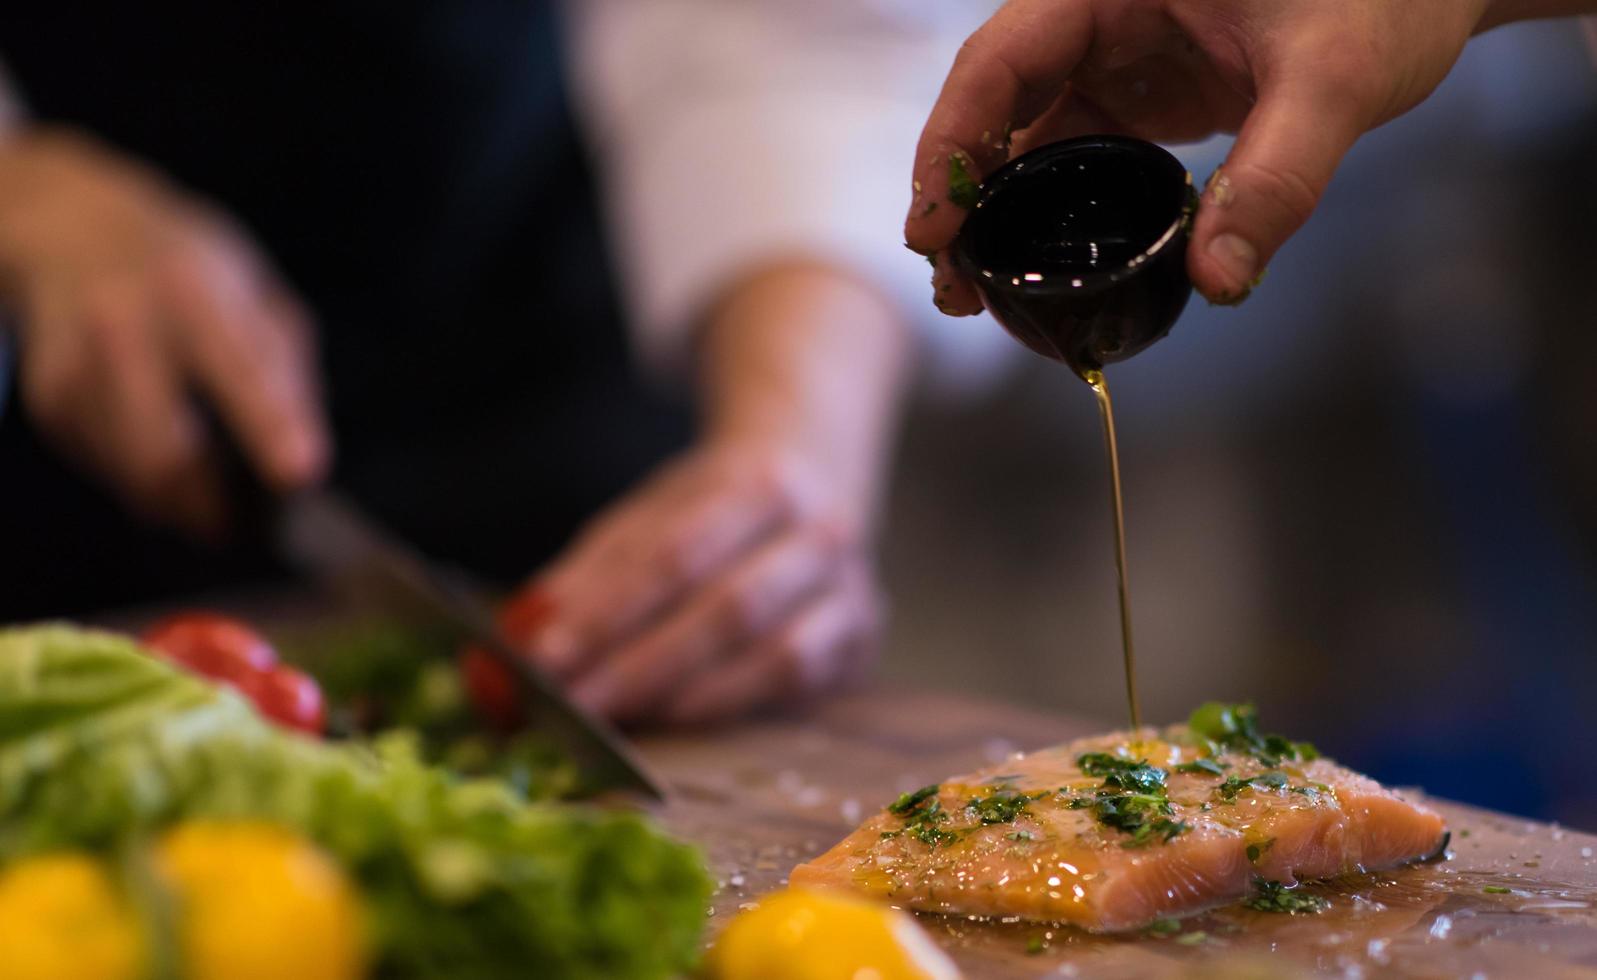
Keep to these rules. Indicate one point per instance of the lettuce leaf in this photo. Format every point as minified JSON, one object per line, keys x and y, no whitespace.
{"x":101,"y":744}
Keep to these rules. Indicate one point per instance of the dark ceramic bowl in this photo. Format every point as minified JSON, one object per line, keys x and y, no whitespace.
{"x":1079,"y":247}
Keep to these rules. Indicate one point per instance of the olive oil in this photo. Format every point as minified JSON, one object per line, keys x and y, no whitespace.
{"x":1106,"y":409}
{"x":1079,"y":251}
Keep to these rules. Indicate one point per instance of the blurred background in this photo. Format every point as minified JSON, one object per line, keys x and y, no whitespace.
{"x":1366,"y":499}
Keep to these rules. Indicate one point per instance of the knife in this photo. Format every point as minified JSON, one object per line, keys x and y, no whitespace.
{"x":328,"y":537}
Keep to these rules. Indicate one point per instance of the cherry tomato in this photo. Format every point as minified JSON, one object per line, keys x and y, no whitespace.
{"x":212,"y":645}
{"x":289,"y":697}
{"x":489,"y":685}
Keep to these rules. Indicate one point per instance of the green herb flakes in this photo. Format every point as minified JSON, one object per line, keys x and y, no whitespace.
{"x":963,"y":190}
{"x":1272,"y":896}
{"x":1208,"y":766}
{"x":910,"y":801}
{"x":1235,"y":727}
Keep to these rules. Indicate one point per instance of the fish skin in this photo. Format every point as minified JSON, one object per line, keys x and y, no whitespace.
{"x":1058,"y":864}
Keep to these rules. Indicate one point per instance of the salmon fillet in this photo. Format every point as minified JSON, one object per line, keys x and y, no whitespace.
{"x":1113,"y":832}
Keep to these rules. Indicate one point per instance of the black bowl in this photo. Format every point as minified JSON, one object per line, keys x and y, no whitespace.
{"x":1079,"y":248}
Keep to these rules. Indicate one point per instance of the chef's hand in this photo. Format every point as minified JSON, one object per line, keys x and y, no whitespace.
{"x":741,"y":574}
{"x":730,"y":578}
{"x":1297,"y":80}
{"x":133,"y":300}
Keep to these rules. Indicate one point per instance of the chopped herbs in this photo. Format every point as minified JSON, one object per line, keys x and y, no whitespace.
{"x":1034,"y":946}
{"x":963,"y":191}
{"x":1134,"y":777}
{"x":1256,"y":851}
{"x":1164,"y":927}
{"x":1273,"y":896}
{"x":1197,"y":938}
{"x":1235,"y":727}
{"x":1209,"y":766}
{"x":1235,"y":785}
{"x":1003,"y":806}
{"x":910,"y":801}
{"x":1021,"y":835}
{"x":1497,"y":890}
{"x":1131,"y":800}
{"x":923,"y":816}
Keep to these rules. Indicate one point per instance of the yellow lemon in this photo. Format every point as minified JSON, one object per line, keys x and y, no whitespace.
{"x":256,"y":902}
{"x":62,"y":918}
{"x":809,"y":935}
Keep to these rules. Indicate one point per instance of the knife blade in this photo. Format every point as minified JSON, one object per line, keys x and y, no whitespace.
{"x":330,"y":538}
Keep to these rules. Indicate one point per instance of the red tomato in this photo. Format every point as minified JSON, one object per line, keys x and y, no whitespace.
{"x":212,"y":645}
{"x":489,"y":685}
{"x":290,"y":698}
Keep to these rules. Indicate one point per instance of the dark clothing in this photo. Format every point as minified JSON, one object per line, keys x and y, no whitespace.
{"x":413,"y":169}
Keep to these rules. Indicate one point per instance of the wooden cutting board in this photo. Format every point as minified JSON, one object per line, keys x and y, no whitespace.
{"x":765,"y":796}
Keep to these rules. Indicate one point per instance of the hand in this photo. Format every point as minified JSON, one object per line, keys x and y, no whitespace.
{"x":131,"y":298}
{"x":730,"y":580}
{"x":1297,"y":80}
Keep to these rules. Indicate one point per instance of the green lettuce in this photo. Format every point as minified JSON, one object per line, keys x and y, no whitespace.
{"x":101,"y":745}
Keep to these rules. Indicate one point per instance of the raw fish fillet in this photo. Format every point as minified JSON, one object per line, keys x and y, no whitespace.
{"x":1113,"y":832}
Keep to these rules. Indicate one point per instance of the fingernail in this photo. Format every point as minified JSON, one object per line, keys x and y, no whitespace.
{"x":1237,"y":258}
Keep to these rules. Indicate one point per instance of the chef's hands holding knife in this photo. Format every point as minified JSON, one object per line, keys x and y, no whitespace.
{"x":737,"y":576}
{"x":133,"y":299}
{"x":1298,"y":81}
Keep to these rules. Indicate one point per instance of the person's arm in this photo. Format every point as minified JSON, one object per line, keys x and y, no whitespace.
{"x":742,"y":573}
{"x":1298,"y":81}
{"x":748,"y":155}
{"x":130,"y":299}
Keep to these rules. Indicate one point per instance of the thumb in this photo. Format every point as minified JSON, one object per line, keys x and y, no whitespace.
{"x":1285,"y":154}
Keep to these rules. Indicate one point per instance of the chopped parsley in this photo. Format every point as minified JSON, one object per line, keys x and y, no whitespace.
{"x":1209,"y":766}
{"x":923,"y":817}
{"x":963,"y":191}
{"x":1497,"y":890}
{"x":1003,"y":806}
{"x":1234,"y":785}
{"x":1034,"y":946}
{"x":1164,"y":927}
{"x":1256,"y":851}
{"x":909,"y":801}
{"x":1131,"y":799}
{"x":1273,"y":896}
{"x":1234,"y":727}
{"x":1131,"y":776}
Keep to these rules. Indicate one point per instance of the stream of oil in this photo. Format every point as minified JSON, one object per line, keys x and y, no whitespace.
{"x":1106,"y":409}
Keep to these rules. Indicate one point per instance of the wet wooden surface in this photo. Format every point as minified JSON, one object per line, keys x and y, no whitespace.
{"x":763,"y":797}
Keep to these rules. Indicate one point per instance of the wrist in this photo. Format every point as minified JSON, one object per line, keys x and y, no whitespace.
{"x":804,"y":361}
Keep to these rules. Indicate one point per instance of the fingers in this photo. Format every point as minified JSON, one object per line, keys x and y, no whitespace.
{"x":826,"y":640}
{"x":1007,"y":73}
{"x":97,"y":379}
{"x":752,"y":598}
{"x":683,"y":530}
{"x":249,"y":354}
{"x":1285,"y":154}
